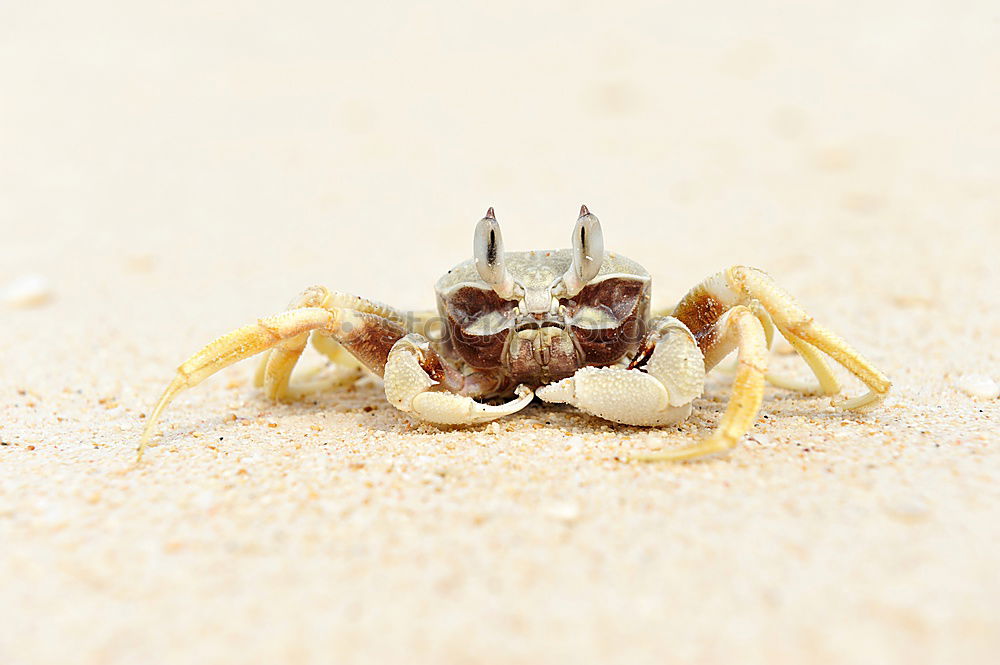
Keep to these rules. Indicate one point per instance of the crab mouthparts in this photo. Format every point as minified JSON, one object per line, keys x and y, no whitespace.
{"x":537,"y":321}
{"x":541,"y":352}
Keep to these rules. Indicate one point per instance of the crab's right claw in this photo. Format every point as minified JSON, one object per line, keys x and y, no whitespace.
{"x":409,"y":387}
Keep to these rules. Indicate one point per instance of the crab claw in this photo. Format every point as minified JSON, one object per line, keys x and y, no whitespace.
{"x":451,"y":409}
{"x":409,"y":387}
{"x":660,"y":394}
{"x":619,"y":395}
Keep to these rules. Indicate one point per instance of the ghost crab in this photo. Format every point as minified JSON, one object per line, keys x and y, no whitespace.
{"x":569,"y":326}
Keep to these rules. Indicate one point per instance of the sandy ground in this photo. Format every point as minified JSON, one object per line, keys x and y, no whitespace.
{"x":173,"y":172}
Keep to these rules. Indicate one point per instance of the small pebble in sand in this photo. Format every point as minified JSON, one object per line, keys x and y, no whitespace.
{"x":978,"y":386}
{"x":563,"y":511}
{"x":27,"y":291}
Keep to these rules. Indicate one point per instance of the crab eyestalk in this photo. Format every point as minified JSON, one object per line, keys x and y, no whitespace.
{"x":588,"y":252}
{"x":490,"y":260}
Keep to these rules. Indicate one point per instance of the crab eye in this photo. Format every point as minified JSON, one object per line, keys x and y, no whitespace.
{"x":588,"y":252}
{"x":488,"y":252}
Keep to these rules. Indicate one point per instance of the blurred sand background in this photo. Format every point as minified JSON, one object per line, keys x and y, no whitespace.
{"x":172,"y":170}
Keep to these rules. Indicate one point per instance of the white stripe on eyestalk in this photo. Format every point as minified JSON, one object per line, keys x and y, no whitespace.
{"x":588,"y":252}
{"x":488,"y":251}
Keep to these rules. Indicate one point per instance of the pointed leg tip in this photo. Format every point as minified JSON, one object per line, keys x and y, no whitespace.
{"x":713,"y":447}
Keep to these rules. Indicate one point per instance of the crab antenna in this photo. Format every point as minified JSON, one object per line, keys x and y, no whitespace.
{"x":588,"y":252}
{"x":487,"y":249}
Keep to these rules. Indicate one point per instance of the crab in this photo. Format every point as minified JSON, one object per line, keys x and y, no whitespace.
{"x":571,"y":326}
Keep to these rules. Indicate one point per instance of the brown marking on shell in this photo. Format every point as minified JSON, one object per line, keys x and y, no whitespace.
{"x":627,"y":301}
{"x":370,"y":340}
{"x":464,"y":307}
{"x":433,"y":365}
{"x":699,"y":311}
{"x":645,"y":350}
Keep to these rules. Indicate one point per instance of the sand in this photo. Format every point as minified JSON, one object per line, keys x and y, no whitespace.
{"x":173,"y":171}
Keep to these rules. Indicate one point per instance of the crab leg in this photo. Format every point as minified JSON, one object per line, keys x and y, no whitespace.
{"x":417,"y":380}
{"x":367,"y":335}
{"x":740,"y":285}
{"x":276,"y":365}
{"x":741,"y":328}
{"x":828,"y":384}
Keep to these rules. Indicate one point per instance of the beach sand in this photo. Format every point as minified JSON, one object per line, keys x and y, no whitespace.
{"x":172,"y":172}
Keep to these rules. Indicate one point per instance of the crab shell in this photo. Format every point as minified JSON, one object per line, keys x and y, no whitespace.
{"x":540,"y":334}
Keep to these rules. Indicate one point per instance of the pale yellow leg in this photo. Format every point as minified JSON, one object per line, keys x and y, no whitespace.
{"x":334,"y":351}
{"x":796,"y":325}
{"x":828,"y":384}
{"x":275,"y":369}
{"x":276,"y":364}
{"x":242,"y":343}
{"x":349,"y":370}
{"x":346,"y":370}
{"x":742,"y":328}
{"x":741,"y":285}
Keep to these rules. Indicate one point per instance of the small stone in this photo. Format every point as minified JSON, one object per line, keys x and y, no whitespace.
{"x":564,"y":511}
{"x":978,"y":386}
{"x":27,"y":291}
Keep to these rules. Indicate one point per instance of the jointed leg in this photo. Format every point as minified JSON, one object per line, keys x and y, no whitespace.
{"x":740,"y":285}
{"x":235,"y":346}
{"x":276,"y":365}
{"x":740,"y":328}
{"x":367,"y":335}
{"x":828,"y":384}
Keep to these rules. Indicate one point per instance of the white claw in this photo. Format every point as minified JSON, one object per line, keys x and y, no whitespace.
{"x":661,"y":394}
{"x":616,"y":394}
{"x":404,"y":378}
{"x":408,"y":388}
{"x":678,"y":363}
{"x":451,"y":409}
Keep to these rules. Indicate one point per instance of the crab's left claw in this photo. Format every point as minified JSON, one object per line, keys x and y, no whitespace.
{"x":410,"y":387}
